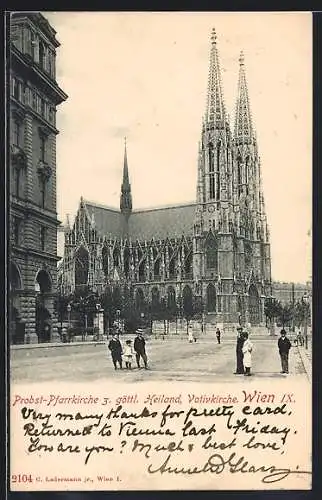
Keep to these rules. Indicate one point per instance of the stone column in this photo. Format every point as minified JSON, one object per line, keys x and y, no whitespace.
{"x":28,"y":309}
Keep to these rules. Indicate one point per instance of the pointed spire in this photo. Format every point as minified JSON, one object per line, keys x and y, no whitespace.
{"x":243,"y":120}
{"x":126,"y":196}
{"x":215,"y":110}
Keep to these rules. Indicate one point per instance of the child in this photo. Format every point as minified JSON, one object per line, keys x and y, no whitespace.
{"x":247,"y":351}
{"x":128,"y":354}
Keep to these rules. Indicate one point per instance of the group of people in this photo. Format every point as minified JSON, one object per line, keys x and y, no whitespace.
{"x":244,"y":349}
{"x":127,"y":353}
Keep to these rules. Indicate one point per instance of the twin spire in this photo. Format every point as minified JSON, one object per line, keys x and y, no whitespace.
{"x":216,"y":115}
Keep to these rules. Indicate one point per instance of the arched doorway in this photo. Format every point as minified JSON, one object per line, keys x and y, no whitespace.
{"x":17,"y":326}
{"x":155,"y":301}
{"x":253,"y":305}
{"x":187,"y":303}
{"x":139,"y":300}
{"x":211,"y":298}
{"x":43,"y":286}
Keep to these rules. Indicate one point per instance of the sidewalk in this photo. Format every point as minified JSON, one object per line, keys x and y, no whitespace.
{"x":306,"y":357}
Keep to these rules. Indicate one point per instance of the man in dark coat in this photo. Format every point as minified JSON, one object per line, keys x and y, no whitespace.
{"x":116,"y":351}
{"x":284,"y":346}
{"x":218,"y":335}
{"x":139,"y":347}
{"x":239,"y":352}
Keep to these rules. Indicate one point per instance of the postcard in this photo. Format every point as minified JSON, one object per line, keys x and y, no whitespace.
{"x":160,"y":327}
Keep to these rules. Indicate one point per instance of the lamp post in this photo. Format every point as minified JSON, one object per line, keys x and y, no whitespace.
{"x":306,"y":303}
{"x":69,"y":308}
{"x":118,"y":313}
{"x":98,"y":309}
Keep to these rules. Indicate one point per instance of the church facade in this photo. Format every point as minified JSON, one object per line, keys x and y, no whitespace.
{"x":214,"y":251}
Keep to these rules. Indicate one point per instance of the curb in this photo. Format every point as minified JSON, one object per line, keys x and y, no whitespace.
{"x":54,"y":344}
{"x":306,"y":363}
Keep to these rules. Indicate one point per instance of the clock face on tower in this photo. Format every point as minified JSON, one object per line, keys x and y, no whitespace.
{"x":211,"y":209}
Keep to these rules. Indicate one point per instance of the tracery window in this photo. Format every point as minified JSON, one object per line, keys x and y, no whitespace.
{"x":81,"y":267}
{"x":211,"y":253}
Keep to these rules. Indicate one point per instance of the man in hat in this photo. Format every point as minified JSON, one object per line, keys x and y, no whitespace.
{"x":218,"y":335}
{"x":139,"y":347}
{"x":116,"y":351}
{"x":239,"y":352}
{"x":284,"y":346}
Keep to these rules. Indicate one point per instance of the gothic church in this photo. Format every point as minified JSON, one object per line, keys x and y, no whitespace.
{"x":215,"y":250}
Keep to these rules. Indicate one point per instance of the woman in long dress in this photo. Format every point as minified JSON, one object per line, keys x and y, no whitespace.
{"x":247,"y":352}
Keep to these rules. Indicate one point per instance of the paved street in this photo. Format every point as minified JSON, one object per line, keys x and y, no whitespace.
{"x":172,"y":359}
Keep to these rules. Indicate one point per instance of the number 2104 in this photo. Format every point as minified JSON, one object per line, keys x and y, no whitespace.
{"x":21,"y":478}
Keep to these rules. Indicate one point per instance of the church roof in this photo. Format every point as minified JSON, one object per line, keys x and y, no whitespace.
{"x":107,"y":219}
{"x":163,"y":222}
{"x":145,"y":224}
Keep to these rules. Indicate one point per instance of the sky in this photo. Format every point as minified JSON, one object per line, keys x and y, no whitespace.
{"x":144,"y":76}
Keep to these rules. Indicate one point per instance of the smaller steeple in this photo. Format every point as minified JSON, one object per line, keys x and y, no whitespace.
{"x":126,"y":196}
{"x":244,"y":130}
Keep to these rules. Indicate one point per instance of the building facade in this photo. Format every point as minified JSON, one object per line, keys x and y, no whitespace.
{"x":289,"y":293}
{"x":214,"y":251}
{"x":34,"y":97}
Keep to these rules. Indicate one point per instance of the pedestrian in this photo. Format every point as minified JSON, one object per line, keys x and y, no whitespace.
{"x":190,"y":334}
{"x":116,"y":351}
{"x":218,"y":335}
{"x":139,"y":347}
{"x":300,"y":338}
{"x":128,"y":354}
{"x":239,"y":352}
{"x":284,"y":346}
{"x":247,"y":352}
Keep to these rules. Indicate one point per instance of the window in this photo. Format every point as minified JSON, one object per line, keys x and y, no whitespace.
{"x":51,"y":63}
{"x":239,"y":176}
{"x":211,"y":157}
{"x":16,"y":88}
{"x":41,"y":55}
{"x":211,"y":254}
{"x":16,"y":231}
{"x":212,"y":186}
{"x":217,"y":178}
{"x":17,"y":182}
{"x":16,"y":133}
{"x":42,"y":192}
{"x":42,"y":238}
{"x":34,"y":101}
{"x":42,"y":107}
{"x":42,"y":140}
{"x":51,"y":114}
{"x":33,"y":44}
{"x":217,"y":182}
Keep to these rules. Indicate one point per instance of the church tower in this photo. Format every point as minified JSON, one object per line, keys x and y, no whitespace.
{"x":213,"y":254}
{"x":231,"y":240}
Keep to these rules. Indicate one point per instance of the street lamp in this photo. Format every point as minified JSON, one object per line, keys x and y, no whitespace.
{"x":69,"y":308}
{"x":306,"y":302}
{"x":118,"y":313}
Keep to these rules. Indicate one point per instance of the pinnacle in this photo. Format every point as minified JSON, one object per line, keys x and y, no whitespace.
{"x":243,"y":118}
{"x":215,"y":110}
{"x":213,"y":36}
